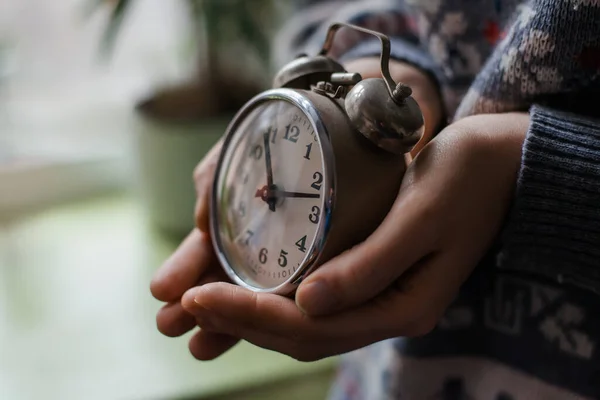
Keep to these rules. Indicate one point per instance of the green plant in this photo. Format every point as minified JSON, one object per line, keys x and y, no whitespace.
{"x":222,"y":27}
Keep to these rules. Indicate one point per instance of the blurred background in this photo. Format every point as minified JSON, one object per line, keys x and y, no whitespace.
{"x":105,"y":108}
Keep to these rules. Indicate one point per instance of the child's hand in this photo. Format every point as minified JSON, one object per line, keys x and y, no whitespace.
{"x":195,"y":264}
{"x":402,"y":278}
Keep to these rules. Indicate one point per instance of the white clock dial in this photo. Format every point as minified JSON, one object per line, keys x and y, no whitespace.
{"x":270,"y":195}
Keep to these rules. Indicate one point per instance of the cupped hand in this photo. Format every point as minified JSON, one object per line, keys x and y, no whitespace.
{"x":194,"y":264}
{"x":402,"y":278}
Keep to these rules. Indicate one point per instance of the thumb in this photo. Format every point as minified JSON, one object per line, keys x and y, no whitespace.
{"x":366,"y":270}
{"x":203,"y":180}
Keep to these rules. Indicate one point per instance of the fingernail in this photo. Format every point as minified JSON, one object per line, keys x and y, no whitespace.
{"x":199,"y":306}
{"x":315,"y":298}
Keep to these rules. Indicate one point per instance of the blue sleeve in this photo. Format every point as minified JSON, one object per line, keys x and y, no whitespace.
{"x":554,"y":226}
{"x":306,"y":31}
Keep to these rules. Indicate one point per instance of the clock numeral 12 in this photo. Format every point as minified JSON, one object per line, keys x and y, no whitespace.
{"x":291,"y":133}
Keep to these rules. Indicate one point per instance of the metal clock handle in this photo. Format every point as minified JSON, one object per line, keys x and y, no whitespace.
{"x":397,"y":91}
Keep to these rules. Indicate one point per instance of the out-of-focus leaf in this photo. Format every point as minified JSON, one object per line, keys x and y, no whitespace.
{"x":109,"y":36}
{"x":89,"y":7}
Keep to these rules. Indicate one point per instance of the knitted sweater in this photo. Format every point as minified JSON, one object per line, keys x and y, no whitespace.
{"x":527,"y":323}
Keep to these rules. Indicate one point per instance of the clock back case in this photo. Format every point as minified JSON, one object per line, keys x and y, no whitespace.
{"x":366,"y":180}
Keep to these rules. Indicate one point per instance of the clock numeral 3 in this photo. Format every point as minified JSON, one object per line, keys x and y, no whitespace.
{"x":314,"y":217}
{"x":262,"y":255}
{"x":301,"y":244}
{"x":318,"y":177}
{"x":282,"y":258}
{"x":291,"y":133}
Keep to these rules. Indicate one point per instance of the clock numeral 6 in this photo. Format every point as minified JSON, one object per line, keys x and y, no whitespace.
{"x":316,"y":213}
{"x":318,"y":177}
{"x":262,"y":255}
{"x":282,"y":258}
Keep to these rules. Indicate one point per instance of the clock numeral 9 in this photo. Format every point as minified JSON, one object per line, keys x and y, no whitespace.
{"x":262,"y":255}
{"x":318,"y":177}
{"x":316,"y":214}
{"x":282,"y":261}
{"x":256,"y":152}
{"x":291,"y":133}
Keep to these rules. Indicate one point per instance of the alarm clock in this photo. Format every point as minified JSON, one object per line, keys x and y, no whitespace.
{"x":310,"y":168}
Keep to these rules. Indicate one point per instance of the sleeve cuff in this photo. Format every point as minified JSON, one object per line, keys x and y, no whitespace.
{"x":554,"y":227}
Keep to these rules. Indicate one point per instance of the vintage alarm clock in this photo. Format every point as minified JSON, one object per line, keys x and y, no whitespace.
{"x":310,"y":168}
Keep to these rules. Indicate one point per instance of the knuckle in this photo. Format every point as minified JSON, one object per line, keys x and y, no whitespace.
{"x":207,"y":166}
{"x":203,"y":173}
{"x":198,"y":172}
{"x":421,"y":327}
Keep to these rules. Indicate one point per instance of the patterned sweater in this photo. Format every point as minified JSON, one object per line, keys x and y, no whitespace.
{"x":527,"y":323}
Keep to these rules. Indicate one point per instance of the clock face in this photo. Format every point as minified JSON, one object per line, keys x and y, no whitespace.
{"x":271,"y":195}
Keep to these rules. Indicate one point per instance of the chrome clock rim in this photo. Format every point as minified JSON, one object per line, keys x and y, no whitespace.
{"x":297,"y":99}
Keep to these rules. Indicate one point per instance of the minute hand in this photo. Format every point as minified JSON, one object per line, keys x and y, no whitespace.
{"x":283,"y":193}
{"x":269,"y":168}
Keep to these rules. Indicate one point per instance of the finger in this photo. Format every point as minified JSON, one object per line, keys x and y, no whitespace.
{"x":278,"y":315}
{"x":206,"y":346}
{"x":184,"y":268}
{"x":172,"y":320}
{"x":300,"y":350}
{"x":203,"y":179}
{"x":407,"y":234}
{"x":409,"y":308}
